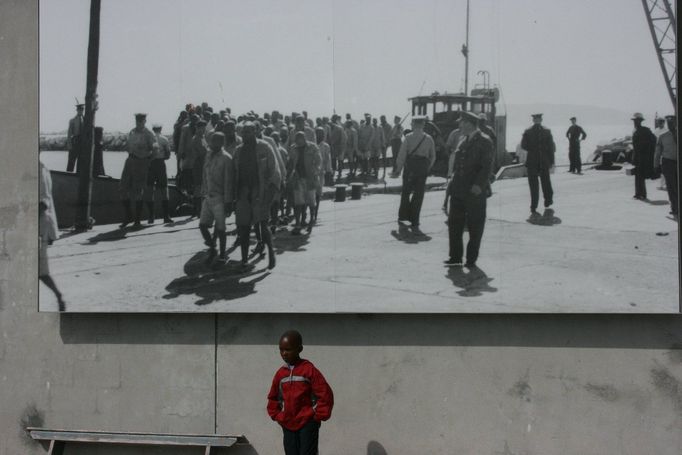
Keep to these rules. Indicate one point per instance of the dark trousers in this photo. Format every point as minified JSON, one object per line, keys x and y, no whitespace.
{"x":303,"y":441}
{"x":395,"y":149}
{"x":411,"y":198}
{"x":574,"y":158}
{"x":547,"y":192}
{"x":470,"y":211}
{"x":669,"y":170}
{"x":640,"y":185}
{"x":73,"y":158}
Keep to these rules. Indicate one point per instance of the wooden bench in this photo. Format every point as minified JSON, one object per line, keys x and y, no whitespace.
{"x":57,"y":439}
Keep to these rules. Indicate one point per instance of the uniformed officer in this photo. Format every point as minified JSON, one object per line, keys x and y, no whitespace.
{"x":73,"y":137}
{"x":575,"y":134}
{"x":157,"y":179}
{"x":539,"y":143}
{"x":468,"y":190}
{"x":643,"y":149}
{"x":417,"y":154}
{"x":141,"y":144}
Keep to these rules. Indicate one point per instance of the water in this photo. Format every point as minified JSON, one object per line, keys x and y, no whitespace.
{"x":596,"y":135}
{"x":113,"y":162}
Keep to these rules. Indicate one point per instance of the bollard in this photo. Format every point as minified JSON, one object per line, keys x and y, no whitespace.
{"x":356,"y":190}
{"x":340,"y":193}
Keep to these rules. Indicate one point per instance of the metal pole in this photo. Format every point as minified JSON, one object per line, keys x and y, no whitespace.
{"x":466,"y":57}
{"x":86,"y":144}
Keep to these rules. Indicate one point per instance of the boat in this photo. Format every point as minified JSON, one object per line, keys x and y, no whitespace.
{"x":106,"y":207}
{"x":443,"y":111}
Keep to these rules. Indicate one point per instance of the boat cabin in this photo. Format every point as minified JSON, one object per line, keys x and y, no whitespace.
{"x":443,"y":111}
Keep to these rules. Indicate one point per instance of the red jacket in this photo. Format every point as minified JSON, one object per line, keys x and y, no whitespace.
{"x":299,"y":394}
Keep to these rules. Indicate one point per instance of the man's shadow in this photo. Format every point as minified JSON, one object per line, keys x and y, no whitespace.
{"x":546,"y":219}
{"x":661,"y":202}
{"x":409,"y":235}
{"x":473,"y":282}
{"x":286,"y":242}
{"x":215,"y":281}
{"x":116,"y":234}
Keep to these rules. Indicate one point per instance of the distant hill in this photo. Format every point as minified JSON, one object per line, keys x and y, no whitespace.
{"x":558,"y":114}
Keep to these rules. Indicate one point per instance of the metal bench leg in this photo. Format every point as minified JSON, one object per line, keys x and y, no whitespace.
{"x":210,"y":450}
{"x":56,"y":448}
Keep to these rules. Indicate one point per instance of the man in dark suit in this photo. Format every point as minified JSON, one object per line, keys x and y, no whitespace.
{"x":643,"y":149}
{"x":538,"y":142}
{"x":468,"y":190}
{"x":73,"y":137}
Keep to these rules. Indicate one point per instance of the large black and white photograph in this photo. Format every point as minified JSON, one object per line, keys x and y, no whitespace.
{"x":376,"y":156}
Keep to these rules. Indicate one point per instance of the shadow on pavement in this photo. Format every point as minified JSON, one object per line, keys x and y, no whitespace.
{"x":375,"y":448}
{"x":661,"y":202}
{"x":409,"y":235}
{"x":473,"y":282}
{"x":286,"y":242}
{"x":215,"y":281}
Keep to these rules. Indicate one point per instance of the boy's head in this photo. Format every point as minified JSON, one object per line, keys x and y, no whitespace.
{"x":290,"y":346}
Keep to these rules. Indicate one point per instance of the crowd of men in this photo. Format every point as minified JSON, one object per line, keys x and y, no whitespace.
{"x":268,"y":170}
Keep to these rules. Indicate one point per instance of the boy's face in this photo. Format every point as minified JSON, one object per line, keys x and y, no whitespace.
{"x":289,"y":351}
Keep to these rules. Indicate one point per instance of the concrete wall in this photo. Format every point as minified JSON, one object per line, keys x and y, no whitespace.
{"x":459,"y":384}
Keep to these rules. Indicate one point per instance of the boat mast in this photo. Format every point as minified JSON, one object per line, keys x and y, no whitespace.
{"x":465,"y":52}
{"x":86,"y":143}
{"x":466,"y":57}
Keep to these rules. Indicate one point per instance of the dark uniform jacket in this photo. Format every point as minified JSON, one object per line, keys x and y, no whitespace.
{"x":538,"y":142}
{"x":643,"y":149}
{"x":473,"y":159}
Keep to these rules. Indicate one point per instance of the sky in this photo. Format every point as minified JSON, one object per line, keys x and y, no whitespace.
{"x":351,"y":56}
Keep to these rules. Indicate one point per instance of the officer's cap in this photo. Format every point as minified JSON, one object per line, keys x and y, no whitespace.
{"x":469,"y":117}
{"x":637,"y":116}
{"x":537,"y":115}
{"x":419,"y":118}
{"x":572,"y":119}
{"x":157,"y":126}
{"x":482,"y":116}
{"x":80,"y":106}
{"x":140,"y":116}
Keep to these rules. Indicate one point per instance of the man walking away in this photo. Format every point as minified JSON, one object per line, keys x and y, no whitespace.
{"x":417,"y":155}
{"x":575,"y":134}
{"x":665,"y":158}
{"x":73,"y":137}
{"x":468,"y":191}
{"x":47,"y":230}
{"x":539,"y":143}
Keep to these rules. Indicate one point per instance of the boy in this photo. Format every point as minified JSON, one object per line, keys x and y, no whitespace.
{"x":299,"y":399}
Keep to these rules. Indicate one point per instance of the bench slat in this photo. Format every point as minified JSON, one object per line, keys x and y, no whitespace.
{"x":134,"y":438}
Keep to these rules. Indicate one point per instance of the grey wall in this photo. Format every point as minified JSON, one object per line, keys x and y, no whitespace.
{"x":458,"y":384}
